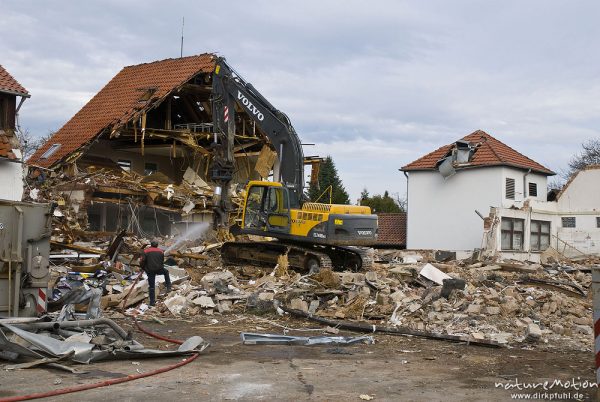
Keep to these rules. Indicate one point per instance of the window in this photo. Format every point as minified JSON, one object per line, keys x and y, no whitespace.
{"x":540,"y":235}
{"x":53,"y":148}
{"x":598,"y":221}
{"x":512,"y":234}
{"x":124,"y":164}
{"x":533,"y":189}
{"x":3,"y":112}
{"x":510,"y":188}
{"x":146,"y":93}
{"x":150,"y":168}
{"x":254,"y":202}
{"x":272,"y":204}
{"x":568,"y":222}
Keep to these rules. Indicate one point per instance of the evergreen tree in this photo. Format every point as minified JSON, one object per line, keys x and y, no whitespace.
{"x":328,"y":176}
{"x":379,"y":203}
{"x":364,"y":195}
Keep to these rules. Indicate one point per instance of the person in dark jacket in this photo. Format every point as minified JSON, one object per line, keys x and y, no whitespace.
{"x":153,"y":263}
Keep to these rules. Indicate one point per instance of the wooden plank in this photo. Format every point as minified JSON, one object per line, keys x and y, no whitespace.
{"x":77,"y":248}
{"x":113,"y":190}
{"x":265,"y":161}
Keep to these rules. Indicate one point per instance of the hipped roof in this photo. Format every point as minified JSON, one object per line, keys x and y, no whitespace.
{"x":490,"y":152}
{"x":119,"y":102}
{"x":9,"y":84}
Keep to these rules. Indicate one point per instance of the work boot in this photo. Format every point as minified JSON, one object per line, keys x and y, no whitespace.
{"x":152,"y":294}
{"x":167,"y":280}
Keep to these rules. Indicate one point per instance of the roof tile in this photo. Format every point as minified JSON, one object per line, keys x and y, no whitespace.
{"x":9,"y":84}
{"x":391,"y":229}
{"x":118,"y":102}
{"x":491,"y":152}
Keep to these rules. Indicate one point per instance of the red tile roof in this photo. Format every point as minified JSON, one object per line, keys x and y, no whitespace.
{"x":10,"y":85}
{"x":118,"y":102}
{"x":7,"y":145}
{"x":491,"y":152}
{"x":392,"y":229}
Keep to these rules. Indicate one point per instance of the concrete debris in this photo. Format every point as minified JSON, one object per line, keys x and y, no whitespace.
{"x":534,"y":333}
{"x":484,"y":301}
{"x":433,"y":274}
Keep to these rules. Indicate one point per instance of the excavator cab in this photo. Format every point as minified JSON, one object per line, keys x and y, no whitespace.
{"x":266,"y":208}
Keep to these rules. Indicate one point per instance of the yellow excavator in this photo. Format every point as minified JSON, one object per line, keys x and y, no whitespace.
{"x":312,"y":235}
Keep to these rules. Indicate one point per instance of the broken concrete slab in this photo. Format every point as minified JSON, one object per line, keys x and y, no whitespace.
{"x":433,"y":274}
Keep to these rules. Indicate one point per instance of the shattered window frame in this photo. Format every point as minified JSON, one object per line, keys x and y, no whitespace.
{"x":568,"y":222}
{"x":510,"y":188}
{"x":539,"y":235}
{"x":511,"y":236}
{"x":150,"y":170}
{"x":533,"y":189}
{"x":124,"y":164}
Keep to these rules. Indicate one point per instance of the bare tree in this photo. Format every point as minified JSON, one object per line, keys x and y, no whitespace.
{"x":590,"y":155}
{"x":29,"y":143}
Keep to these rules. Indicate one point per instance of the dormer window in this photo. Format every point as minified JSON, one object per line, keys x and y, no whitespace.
{"x":146,"y":93}
{"x":50,"y":151}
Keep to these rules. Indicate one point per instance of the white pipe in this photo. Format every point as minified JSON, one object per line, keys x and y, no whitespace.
{"x":9,"y":283}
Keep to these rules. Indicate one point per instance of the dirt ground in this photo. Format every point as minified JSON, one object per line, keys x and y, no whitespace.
{"x":394,"y":368}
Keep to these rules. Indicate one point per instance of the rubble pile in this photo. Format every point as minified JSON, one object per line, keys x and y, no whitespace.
{"x":506,"y":303}
{"x":75,"y":188}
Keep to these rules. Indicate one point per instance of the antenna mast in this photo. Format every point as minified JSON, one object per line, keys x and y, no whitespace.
{"x":182,"y":24}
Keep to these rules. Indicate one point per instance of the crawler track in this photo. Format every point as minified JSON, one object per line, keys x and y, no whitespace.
{"x":300,"y":256}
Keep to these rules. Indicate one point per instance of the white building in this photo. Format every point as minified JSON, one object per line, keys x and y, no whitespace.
{"x":570,"y":224}
{"x":11,"y":163}
{"x":452,"y":188}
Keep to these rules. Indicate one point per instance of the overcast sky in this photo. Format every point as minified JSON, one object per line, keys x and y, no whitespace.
{"x":374,"y":84}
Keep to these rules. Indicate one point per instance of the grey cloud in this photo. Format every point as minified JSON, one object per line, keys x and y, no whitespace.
{"x":376,"y":84}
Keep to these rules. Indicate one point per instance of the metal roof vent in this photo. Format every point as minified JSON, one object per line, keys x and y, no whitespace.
{"x":460,"y":153}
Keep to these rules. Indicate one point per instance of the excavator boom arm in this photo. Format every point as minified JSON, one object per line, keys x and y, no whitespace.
{"x":230,"y":88}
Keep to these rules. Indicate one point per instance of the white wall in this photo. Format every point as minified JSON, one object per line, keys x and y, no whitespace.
{"x":441,"y":212}
{"x":582,"y":193}
{"x":11,"y":181}
{"x":580,"y":200}
{"x":522,"y":180}
{"x":494,"y":239}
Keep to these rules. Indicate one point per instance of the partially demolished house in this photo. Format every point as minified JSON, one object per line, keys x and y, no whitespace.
{"x":11,"y":169}
{"x":451,"y":190}
{"x":568,"y":226}
{"x":137,"y":155}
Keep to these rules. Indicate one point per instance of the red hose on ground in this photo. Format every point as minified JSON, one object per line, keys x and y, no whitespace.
{"x":106,"y":383}
{"x":113,"y":381}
